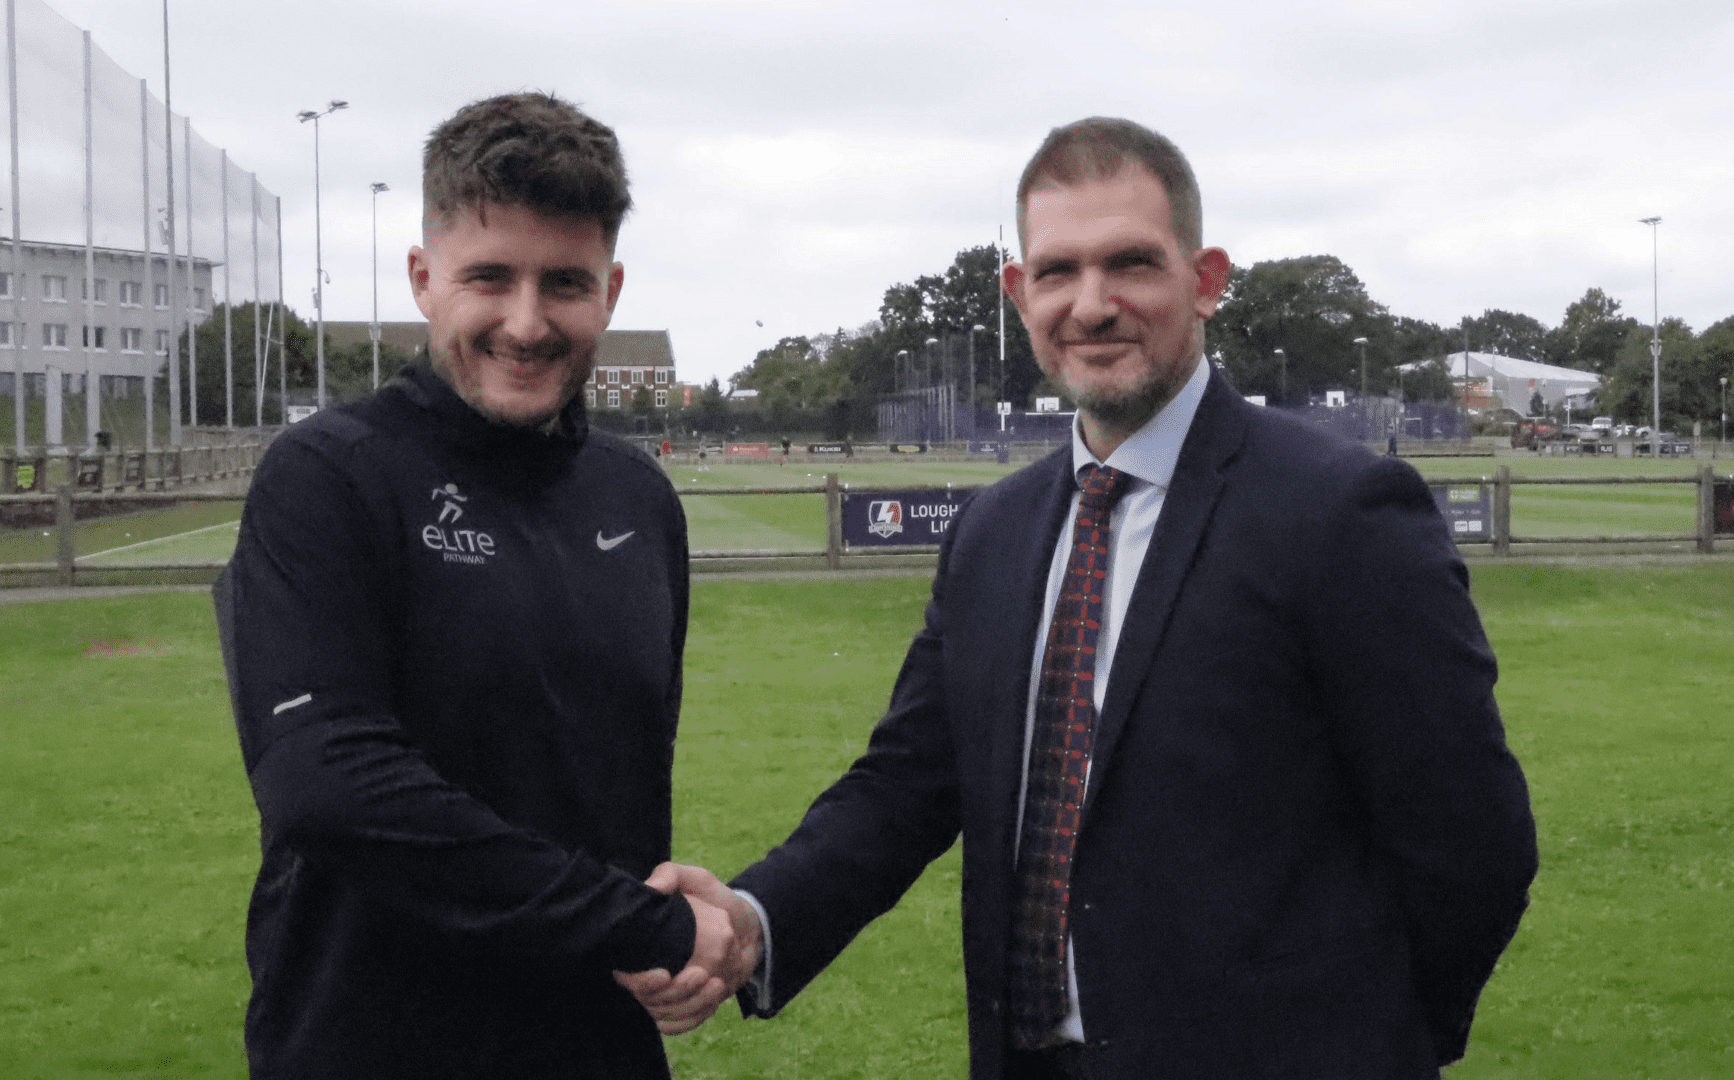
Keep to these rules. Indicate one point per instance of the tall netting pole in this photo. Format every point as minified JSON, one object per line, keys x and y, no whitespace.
{"x":282,"y":328}
{"x":147,"y":300}
{"x":92,"y":381}
{"x":169,"y":244}
{"x":228,"y":325}
{"x":258,"y":356}
{"x":192,"y":306}
{"x":17,"y":329}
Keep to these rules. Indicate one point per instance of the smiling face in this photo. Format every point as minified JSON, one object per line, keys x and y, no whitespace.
{"x":515,"y":302}
{"x":1114,"y":302}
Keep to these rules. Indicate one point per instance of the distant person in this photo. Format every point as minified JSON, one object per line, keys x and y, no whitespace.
{"x":1204,"y":694}
{"x":453,"y":625}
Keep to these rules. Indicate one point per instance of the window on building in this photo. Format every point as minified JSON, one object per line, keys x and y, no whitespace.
{"x":54,"y":335}
{"x":131,"y":339}
{"x":5,"y":286}
{"x":590,"y":397}
{"x":96,"y":337}
{"x":198,"y":299}
{"x":637,"y":377}
{"x":132,"y":293}
{"x":5,"y":335}
{"x":664,"y":376}
{"x":162,"y":342}
{"x":613,"y":376}
{"x":614,"y":399}
{"x":662,"y":399}
{"x":54,"y":287}
{"x":95,"y":290}
{"x":162,"y":295}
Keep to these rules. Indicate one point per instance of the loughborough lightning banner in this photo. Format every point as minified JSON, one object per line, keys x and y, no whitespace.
{"x":898,"y":518}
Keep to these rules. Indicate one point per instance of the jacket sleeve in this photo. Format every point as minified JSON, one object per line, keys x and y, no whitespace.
{"x":1406,"y":673}
{"x":304,"y":612}
{"x":868,"y":837}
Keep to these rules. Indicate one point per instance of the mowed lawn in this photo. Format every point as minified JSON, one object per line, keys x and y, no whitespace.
{"x":128,"y":837}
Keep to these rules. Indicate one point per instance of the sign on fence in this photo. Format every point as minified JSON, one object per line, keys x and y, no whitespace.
{"x":1724,"y":508}
{"x":747,"y":449}
{"x":29,"y":475}
{"x":1468,"y":510}
{"x":907,"y":448}
{"x":898,"y":518}
{"x":89,"y":473}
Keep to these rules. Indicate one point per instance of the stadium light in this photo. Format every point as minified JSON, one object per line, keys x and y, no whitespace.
{"x":373,"y":327}
{"x":897,"y":371}
{"x":1362,"y":342}
{"x":1655,"y":338}
{"x":318,"y":248}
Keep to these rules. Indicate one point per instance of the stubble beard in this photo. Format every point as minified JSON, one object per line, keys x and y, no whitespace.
{"x":1128,"y":409}
{"x":469,"y":388}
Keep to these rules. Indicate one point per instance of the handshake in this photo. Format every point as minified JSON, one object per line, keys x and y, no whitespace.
{"x":725,"y":952}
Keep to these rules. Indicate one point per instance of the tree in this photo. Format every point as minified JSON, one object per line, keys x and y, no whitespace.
{"x":1312,"y":308}
{"x":1627,"y":395}
{"x":1590,"y":335}
{"x":1507,"y":333}
{"x":283,"y":324}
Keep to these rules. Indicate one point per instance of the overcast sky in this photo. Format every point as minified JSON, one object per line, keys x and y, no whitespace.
{"x":792,"y":158}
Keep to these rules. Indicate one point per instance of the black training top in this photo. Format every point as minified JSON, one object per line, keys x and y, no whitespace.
{"x":454,"y":649}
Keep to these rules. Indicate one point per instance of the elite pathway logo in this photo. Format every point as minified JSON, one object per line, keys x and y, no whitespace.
{"x":455,"y":545}
{"x":885,"y":517}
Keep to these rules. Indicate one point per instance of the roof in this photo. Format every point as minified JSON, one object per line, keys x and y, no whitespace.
{"x":618,"y":348}
{"x":1481,"y":365}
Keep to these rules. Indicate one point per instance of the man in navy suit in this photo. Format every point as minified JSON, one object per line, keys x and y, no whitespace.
{"x":1299,"y":843}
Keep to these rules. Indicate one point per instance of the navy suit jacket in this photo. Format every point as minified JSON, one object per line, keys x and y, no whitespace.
{"x":1304,"y":841}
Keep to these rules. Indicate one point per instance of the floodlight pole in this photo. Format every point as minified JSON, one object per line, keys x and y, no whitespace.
{"x":1655,"y":338}
{"x":373,"y":327}
{"x":318,"y":248}
{"x":972,"y":331}
{"x":1284,"y":358}
{"x":1362,"y":342}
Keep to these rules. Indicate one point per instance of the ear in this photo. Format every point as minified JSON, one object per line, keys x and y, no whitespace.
{"x":616,"y":276}
{"x":1013,"y":279}
{"x":420,"y":275}
{"x":1212,"y":267}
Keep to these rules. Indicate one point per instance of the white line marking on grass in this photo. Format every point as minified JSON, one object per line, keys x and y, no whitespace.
{"x":161,"y":539}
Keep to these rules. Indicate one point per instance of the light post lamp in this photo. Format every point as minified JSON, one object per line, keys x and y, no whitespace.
{"x":1655,"y":338}
{"x":373,"y":327}
{"x":318,"y":249}
{"x":1362,"y":342}
{"x":972,"y":331}
{"x":927,"y":386}
{"x":1284,"y":358}
{"x":1724,"y":437}
{"x":897,"y":372}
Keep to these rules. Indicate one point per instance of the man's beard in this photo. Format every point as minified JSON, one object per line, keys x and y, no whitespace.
{"x":469,"y":388}
{"x":1127,"y":410}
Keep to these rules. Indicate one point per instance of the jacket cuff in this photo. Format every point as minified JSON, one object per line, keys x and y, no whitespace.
{"x":660,"y":934}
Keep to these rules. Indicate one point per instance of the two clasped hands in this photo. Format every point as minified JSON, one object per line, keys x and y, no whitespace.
{"x":724,"y":953}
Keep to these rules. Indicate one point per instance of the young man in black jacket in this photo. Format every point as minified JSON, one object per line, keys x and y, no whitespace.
{"x":453,"y":627}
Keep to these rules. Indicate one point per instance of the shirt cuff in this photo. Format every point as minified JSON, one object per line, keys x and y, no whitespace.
{"x":758,"y":988}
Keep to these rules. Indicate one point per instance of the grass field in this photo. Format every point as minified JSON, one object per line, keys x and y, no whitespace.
{"x":128,"y":837}
{"x":796,"y":522}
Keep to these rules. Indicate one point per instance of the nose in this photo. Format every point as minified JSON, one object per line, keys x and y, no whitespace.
{"x":526,"y":323}
{"x":1094,"y":305}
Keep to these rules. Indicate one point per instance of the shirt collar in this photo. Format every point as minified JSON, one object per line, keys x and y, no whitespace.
{"x":1150,"y":453}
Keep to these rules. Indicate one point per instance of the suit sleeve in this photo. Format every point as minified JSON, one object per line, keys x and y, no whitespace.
{"x":864,"y":841}
{"x":1407,"y":675}
{"x":305,"y":615}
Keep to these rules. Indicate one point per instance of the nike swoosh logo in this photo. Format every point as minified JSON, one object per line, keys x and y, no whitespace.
{"x":613,"y":542}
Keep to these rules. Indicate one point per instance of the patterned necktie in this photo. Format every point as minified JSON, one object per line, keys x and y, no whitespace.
{"x":1065,"y":728}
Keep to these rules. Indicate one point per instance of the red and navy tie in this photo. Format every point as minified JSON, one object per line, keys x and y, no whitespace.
{"x":1065,"y":728}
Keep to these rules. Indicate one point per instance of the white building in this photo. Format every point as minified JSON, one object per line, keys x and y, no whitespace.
{"x":121,"y":335}
{"x":1511,"y":382}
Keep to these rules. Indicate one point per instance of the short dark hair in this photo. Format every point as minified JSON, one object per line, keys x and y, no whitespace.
{"x":1101,"y":147}
{"x":531,"y":150}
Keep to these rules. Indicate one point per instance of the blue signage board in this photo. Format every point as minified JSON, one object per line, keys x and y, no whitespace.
{"x":1468,"y":510}
{"x":899,"y":518}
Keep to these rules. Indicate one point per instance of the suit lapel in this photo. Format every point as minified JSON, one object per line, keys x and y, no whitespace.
{"x":1215,"y":436}
{"x":1030,"y":542}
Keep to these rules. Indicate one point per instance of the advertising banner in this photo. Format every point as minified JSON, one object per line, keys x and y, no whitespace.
{"x":89,"y":473}
{"x":1724,"y":508}
{"x":907,"y":448}
{"x":826,"y":448}
{"x":899,"y":518}
{"x":1468,"y":510}
{"x":747,"y":449}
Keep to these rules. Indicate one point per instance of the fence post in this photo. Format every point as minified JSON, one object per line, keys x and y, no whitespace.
{"x":63,"y":534}
{"x":1502,"y":510}
{"x":833,"y":522}
{"x":1706,"y":510}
